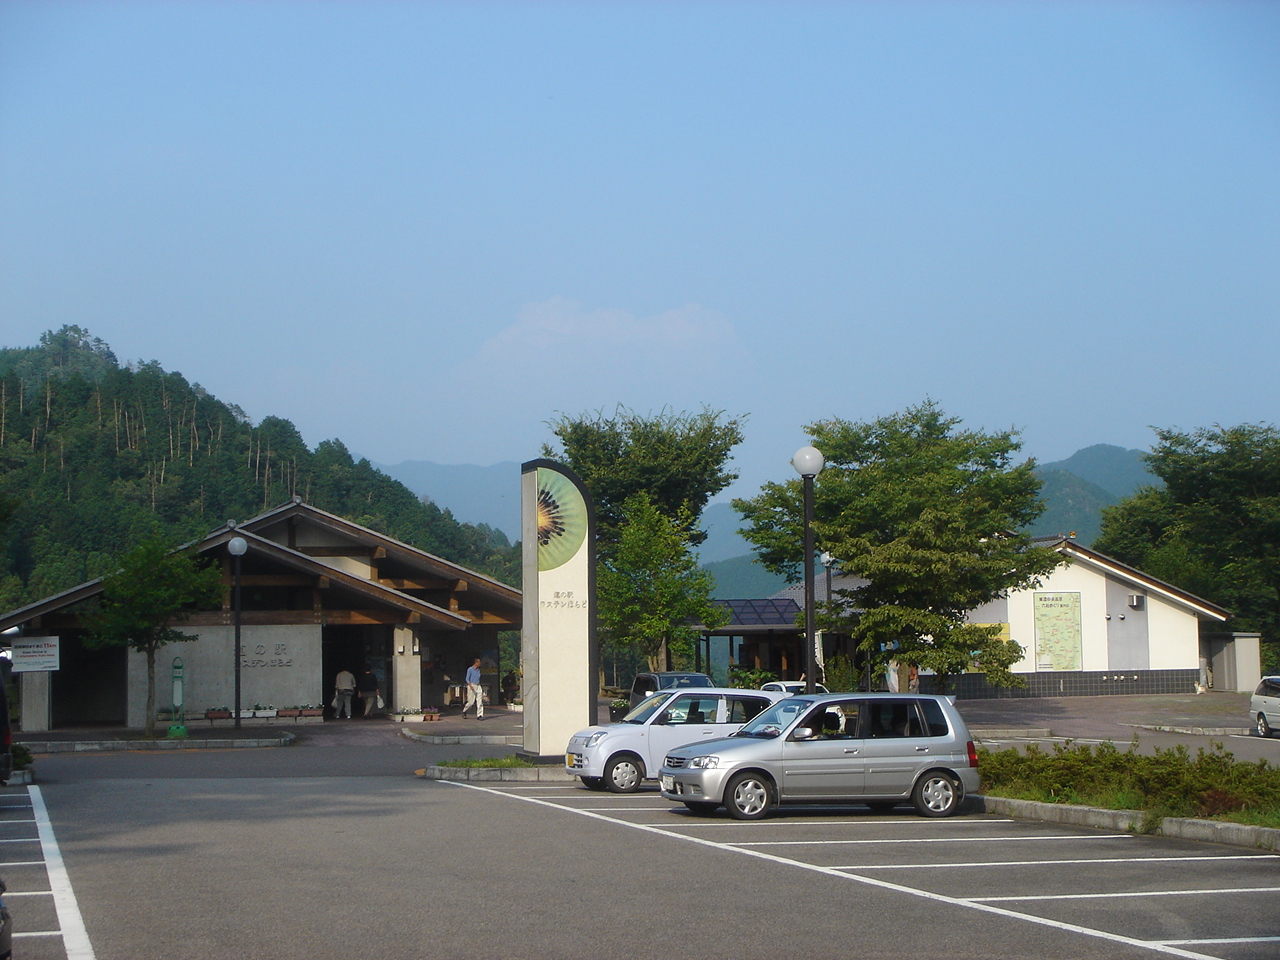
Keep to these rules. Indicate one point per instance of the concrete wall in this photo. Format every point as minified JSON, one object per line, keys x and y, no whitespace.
{"x":280,"y":665}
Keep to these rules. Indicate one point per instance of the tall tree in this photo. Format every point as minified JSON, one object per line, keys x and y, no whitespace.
{"x":651,"y":590}
{"x":676,"y":459}
{"x":930,"y":516}
{"x":1214,"y":529}
{"x":153,"y":589}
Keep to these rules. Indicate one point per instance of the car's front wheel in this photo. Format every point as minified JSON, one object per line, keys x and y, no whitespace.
{"x":747,"y":796}
{"x":1264,"y":729}
{"x":937,"y":794}
{"x":623,"y":773}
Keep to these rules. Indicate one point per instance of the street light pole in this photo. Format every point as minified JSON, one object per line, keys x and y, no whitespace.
{"x":808,"y":462}
{"x":236,"y":546}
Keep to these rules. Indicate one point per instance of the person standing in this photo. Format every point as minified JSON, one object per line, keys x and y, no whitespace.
{"x":475,"y":692}
{"x":368,"y":687}
{"x":344,"y":688}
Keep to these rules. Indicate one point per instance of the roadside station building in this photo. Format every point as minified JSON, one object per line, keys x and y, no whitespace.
{"x":319,"y":594}
{"x":1094,"y":626}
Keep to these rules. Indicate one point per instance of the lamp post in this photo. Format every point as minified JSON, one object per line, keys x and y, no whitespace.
{"x":808,"y":463}
{"x":236,"y":546}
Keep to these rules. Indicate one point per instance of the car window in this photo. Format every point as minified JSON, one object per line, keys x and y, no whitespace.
{"x":771,"y":722}
{"x":742,"y":709}
{"x":692,"y":680}
{"x":935,"y":721}
{"x":835,"y":721}
{"x":645,"y":709}
{"x":691,"y":708}
{"x":892,"y":718}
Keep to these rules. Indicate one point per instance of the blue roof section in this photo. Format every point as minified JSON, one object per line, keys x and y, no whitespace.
{"x":770,"y":611}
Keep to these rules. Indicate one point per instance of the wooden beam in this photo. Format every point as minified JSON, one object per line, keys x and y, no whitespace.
{"x":351,"y":551}
{"x":400,"y":583}
{"x":481,"y":618}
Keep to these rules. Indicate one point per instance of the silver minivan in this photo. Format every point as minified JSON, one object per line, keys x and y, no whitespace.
{"x":1264,"y":707}
{"x":618,"y":756}
{"x":880,"y":749}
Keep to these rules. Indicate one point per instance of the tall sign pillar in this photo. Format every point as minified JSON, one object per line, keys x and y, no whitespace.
{"x":559,"y":656}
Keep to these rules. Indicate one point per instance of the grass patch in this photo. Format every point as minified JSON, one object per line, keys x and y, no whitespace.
{"x":510,"y":761}
{"x":1211,"y":785}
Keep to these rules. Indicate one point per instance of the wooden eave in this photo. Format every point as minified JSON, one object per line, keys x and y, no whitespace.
{"x":382,"y":595}
{"x":436,"y":568}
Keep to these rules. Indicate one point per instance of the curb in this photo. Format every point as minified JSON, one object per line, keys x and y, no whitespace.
{"x":1010,"y":733}
{"x":542,"y":774}
{"x":1195,"y":731}
{"x":496,"y":739}
{"x":187,"y":743}
{"x":1130,"y":821}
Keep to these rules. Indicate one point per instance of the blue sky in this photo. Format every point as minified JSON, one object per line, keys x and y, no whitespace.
{"x":428,"y":228}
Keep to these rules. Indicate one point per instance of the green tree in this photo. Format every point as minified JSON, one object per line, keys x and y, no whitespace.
{"x":651,"y":592}
{"x":676,"y":459}
{"x":1214,"y":529}
{"x":153,"y":589}
{"x":929,"y":515}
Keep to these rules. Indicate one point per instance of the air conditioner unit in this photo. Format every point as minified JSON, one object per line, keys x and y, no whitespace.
{"x":1137,"y":601}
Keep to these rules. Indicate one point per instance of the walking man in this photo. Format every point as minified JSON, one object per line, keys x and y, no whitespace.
{"x":475,"y":692}
{"x":344,"y":688}
{"x":368,"y":686}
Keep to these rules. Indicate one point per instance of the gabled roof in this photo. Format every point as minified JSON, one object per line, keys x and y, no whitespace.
{"x":495,"y":602}
{"x":1202,"y":608}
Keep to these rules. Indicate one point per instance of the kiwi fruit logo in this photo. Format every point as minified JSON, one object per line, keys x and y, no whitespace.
{"x":562,"y":519}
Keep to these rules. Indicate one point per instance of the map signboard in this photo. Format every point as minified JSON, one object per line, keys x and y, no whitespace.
{"x":1058,"y":632}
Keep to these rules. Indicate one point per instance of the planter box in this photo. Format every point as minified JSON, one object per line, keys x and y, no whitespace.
{"x":288,"y":713}
{"x":311,"y":713}
{"x":264,"y":714}
{"x":217,"y":714}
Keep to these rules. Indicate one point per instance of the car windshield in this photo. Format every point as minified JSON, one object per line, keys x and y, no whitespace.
{"x":646,"y":708}
{"x":687,"y":680}
{"x":773,"y":721}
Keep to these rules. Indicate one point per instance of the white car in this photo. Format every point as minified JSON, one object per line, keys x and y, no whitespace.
{"x":620,"y":756}
{"x":792,"y":687}
{"x":1264,"y":707}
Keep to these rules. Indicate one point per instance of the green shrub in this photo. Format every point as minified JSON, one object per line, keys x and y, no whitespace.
{"x":21,"y":757}
{"x":508,"y":761}
{"x":1168,"y":783}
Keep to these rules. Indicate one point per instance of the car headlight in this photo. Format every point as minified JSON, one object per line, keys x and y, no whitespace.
{"x":596,"y":738}
{"x":705,"y":763}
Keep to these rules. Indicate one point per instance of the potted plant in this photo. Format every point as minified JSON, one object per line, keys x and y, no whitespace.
{"x":431,"y":713}
{"x":289,"y":712}
{"x":408,"y":716}
{"x":260,"y":711}
{"x":618,"y":708}
{"x":218,"y":713}
{"x":311,"y":710}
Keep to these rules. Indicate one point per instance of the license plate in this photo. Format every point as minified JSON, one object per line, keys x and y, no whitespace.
{"x":668,"y":784}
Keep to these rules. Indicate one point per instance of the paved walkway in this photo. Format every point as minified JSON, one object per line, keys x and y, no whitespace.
{"x":1114,"y":718}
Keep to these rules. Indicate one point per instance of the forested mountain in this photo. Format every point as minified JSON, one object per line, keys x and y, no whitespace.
{"x":95,"y":456}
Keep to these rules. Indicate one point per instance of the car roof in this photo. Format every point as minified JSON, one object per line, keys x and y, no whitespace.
{"x":774,"y":694}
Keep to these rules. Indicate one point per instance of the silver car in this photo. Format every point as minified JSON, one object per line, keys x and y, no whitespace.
{"x":880,"y":749}
{"x":619,"y":756}
{"x":1264,"y":707}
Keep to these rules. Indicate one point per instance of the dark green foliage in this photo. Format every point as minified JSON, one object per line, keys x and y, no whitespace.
{"x":928,"y":514}
{"x":97,"y":458}
{"x":1072,"y":506}
{"x":1214,"y":529}
{"x":676,"y":460}
{"x":750,"y":678}
{"x":1168,"y":783}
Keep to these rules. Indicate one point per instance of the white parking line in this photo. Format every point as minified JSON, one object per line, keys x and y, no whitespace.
{"x":1045,"y":863}
{"x":820,"y":843}
{"x":1225,"y":940}
{"x":1122,"y":896}
{"x":868,"y":881}
{"x":75,"y":939}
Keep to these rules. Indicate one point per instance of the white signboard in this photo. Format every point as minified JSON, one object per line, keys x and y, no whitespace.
{"x":32,"y":654}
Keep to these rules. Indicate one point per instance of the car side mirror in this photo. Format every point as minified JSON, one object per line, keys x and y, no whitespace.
{"x":661,"y":720}
{"x":802,"y":733}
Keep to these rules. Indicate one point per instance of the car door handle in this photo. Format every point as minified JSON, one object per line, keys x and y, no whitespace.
{"x":850,"y":749}
{"x":922,"y":749}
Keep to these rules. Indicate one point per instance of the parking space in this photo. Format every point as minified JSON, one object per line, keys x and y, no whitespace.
{"x":46,"y":919}
{"x":1171,"y":897}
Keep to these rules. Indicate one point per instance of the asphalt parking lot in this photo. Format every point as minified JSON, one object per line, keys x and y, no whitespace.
{"x":1115,"y":891}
